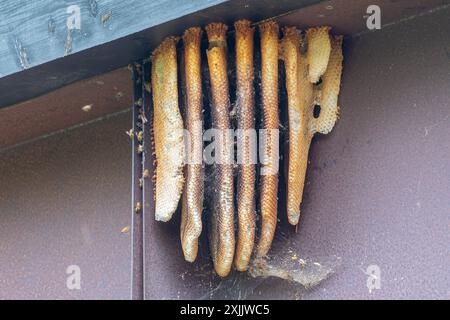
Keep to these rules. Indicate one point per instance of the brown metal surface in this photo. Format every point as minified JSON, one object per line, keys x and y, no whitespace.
{"x":349,"y":16}
{"x":377,"y":186}
{"x":62,"y":108}
{"x":65,"y":200}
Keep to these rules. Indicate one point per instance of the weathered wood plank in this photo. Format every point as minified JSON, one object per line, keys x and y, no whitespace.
{"x":42,"y":48}
{"x":35,"y":32}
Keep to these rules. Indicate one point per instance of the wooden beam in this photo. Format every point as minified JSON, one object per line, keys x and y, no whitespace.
{"x":40,"y":31}
{"x":46,"y":44}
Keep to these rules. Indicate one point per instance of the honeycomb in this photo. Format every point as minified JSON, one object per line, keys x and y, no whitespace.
{"x":243,"y":91}
{"x":167,"y":130}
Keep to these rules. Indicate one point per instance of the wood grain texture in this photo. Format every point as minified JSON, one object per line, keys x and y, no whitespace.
{"x":40,"y":28}
{"x":38,"y":54}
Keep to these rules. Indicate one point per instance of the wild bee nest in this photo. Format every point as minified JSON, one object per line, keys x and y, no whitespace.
{"x":242,"y":156}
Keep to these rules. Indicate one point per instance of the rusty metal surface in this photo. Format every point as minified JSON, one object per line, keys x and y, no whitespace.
{"x":377,"y":186}
{"x":65,"y":200}
{"x":62,"y":108}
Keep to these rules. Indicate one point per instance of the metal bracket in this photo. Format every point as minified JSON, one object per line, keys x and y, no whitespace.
{"x":137,"y":264}
{"x":142,"y":172}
